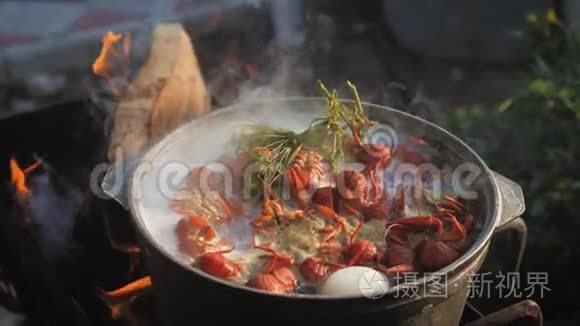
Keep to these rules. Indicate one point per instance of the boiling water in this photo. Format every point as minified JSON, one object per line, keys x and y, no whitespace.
{"x":197,"y":144}
{"x":202,"y":143}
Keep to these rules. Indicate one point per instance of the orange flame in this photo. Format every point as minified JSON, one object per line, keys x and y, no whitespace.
{"x":117,"y":299}
{"x":131,"y":288}
{"x":19,"y":175}
{"x":110,"y":56}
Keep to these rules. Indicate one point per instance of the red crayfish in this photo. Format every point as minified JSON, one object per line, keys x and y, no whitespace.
{"x":379,"y":156}
{"x":278,"y":277}
{"x":352,"y":199}
{"x":194,"y":234}
{"x":373,"y":156}
{"x":349,"y":196}
{"x":280,"y":280}
{"x":303,"y":174}
{"x":398,"y":259}
{"x":315,"y":269}
{"x":216,"y":264}
{"x":444,"y":247}
{"x":274,"y":209}
{"x":359,"y":252}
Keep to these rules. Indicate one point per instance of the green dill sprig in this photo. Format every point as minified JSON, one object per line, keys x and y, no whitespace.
{"x":274,"y":149}
{"x":340,"y":116}
{"x":335,"y":128}
{"x":360,"y":116}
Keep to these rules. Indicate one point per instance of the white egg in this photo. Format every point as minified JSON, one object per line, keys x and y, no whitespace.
{"x":355,"y":281}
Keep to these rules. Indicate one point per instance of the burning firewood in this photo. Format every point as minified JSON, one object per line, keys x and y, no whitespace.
{"x":168,"y":91}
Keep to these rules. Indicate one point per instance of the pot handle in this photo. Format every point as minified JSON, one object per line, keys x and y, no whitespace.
{"x":115,"y":182}
{"x":513,"y":205}
{"x":512,"y":199}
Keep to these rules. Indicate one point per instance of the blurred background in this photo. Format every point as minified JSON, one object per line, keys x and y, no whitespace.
{"x":502,"y":75}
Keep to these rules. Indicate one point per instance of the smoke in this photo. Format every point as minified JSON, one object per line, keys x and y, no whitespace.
{"x":53,"y":211}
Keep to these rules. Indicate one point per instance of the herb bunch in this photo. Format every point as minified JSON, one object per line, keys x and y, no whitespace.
{"x":274,"y":149}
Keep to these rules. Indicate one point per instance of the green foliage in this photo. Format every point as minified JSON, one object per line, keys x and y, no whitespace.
{"x":532,"y":138}
{"x":555,"y":80}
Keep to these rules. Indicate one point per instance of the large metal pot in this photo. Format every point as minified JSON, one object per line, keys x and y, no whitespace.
{"x":185,"y":294}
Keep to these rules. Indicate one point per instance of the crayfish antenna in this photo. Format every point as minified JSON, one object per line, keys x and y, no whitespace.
{"x":439,"y":227}
{"x":226,"y":251}
{"x":226,"y":208}
{"x":331,"y":233}
{"x":356,"y":231}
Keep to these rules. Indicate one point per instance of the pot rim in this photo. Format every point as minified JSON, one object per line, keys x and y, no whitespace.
{"x":478,"y":245}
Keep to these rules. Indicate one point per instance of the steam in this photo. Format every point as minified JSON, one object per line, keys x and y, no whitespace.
{"x":153,"y":205}
{"x":287,"y":69}
{"x":286,"y":79}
